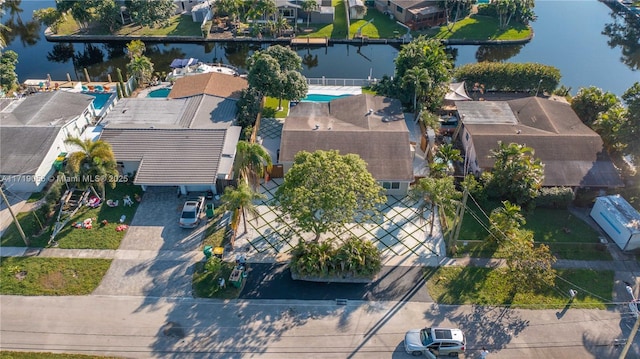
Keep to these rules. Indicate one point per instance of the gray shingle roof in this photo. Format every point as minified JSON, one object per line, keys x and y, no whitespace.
{"x":29,"y":126}
{"x":169,"y":156}
{"x":381,"y":138}
{"x":572,"y":153}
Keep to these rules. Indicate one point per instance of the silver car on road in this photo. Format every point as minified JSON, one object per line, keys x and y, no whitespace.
{"x":434,"y":341}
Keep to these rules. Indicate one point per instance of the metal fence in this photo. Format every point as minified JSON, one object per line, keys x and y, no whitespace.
{"x":324,"y":81}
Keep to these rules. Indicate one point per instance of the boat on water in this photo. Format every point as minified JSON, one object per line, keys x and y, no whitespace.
{"x":191,"y":66}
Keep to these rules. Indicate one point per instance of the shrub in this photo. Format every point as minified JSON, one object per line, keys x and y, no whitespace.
{"x":206,"y":27}
{"x":554,"y":197}
{"x":354,"y":258}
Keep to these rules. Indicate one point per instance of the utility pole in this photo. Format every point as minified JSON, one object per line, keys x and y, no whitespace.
{"x":632,"y":335}
{"x":15,"y":220}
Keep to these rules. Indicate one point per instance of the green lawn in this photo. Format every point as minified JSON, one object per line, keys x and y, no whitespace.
{"x":481,"y":28}
{"x":270,"y":109}
{"x":99,"y":237}
{"x":567,"y":236}
{"x":179,"y":25}
{"x":487,"y":286}
{"x":215,"y":234}
{"x":28,"y":355}
{"x":51,"y":276}
{"x":381,"y":28}
{"x":205,"y":284}
{"x":336,"y":30}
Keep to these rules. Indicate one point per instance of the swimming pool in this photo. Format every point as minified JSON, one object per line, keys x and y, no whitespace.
{"x":313,"y":97}
{"x":159,"y":93}
{"x":101,"y":98}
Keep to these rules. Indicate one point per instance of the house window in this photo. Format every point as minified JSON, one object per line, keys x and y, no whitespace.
{"x":399,"y":9}
{"x":287,"y":12}
{"x":391,"y":185}
{"x":467,"y":136}
{"x":389,"y":3}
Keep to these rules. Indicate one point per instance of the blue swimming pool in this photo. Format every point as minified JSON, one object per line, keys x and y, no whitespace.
{"x":313,"y":97}
{"x":101,"y":98}
{"x":159,"y":93}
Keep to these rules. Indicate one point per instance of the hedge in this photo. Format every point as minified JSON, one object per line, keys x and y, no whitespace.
{"x":554,"y":197}
{"x":498,"y":76}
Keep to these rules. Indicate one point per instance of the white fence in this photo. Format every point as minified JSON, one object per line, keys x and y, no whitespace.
{"x":323,"y":81}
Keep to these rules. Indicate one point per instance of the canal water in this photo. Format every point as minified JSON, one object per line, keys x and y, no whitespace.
{"x":587,"y":41}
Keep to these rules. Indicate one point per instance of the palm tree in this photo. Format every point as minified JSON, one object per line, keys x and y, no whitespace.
{"x":432,"y":192}
{"x":250,"y":163}
{"x":229,"y":7}
{"x":419,"y":79}
{"x":94,"y":163}
{"x":506,"y":221}
{"x":240,"y":202}
{"x":446,"y":155}
{"x":309,"y":6}
{"x":135,"y":48}
{"x":281,"y":24}
{"x":141,"y":68}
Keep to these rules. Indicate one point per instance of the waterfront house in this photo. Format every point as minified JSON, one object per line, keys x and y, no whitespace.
{"x":573,"y":155}
{"x":292,"y":11}
{"x":187,"y":140}
{"x":372,"y":127}
{"x":32,"y":134}
{"x":416,"y":14}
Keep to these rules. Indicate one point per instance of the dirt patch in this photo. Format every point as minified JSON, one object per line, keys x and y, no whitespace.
{"x":21,"y":275}
{"x":54,"y":280}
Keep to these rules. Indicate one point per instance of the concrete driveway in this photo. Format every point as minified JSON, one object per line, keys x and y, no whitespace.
{"x":156,"y":256}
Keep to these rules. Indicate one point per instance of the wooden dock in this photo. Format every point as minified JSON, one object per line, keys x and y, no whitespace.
{"x":310,"y":41}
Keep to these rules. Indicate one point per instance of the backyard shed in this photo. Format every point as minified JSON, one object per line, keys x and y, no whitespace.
{"x":619,"y":220}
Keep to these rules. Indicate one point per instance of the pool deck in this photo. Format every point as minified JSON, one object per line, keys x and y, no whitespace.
{"x":145,"y":92}
{"x":334,"y":90}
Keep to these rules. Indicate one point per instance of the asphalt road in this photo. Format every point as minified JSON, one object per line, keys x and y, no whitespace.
{"x":273,"y":281}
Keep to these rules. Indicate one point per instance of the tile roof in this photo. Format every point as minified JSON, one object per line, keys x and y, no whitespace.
{"x":169,"y":156}
{"x":380,"y":137}
{"x":572,"y":153}
{"x":213,"y":83}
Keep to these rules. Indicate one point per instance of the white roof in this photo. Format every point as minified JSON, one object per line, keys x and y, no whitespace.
{"x":618,"y":207}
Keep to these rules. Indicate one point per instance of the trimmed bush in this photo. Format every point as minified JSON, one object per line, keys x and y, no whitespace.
{"x":554,"y":197}
{"x":354,"y":258}
{"x":499,"y":76}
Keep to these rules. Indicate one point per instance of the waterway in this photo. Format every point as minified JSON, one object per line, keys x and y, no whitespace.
{"x":587,"y":41}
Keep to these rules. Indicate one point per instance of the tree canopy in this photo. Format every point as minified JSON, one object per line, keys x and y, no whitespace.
{"x":151,"y":12}
{"x":275,"y":72}
{"x":516,"y":175}
{"x":325,"y":190}
{"x":94,"y":163}
{"x":8,"y":61}
{"x":591,"y":101}
{"x":432,"y":192}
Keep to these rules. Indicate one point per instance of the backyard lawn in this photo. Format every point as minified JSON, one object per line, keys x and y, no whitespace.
{"x":98,"y":237}
{"x":336,"y":30}
{"x":270,"y":109}
{"x":179,"y":25}
{"x":567,"y":236}
{"x":489,"y":286}
{"x":51,"y":276}
{"x":381,"y":28}
{"x":478,"y":27}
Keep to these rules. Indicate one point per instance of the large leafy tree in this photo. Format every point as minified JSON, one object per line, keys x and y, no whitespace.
{"x":94,"y":163}
{"x":432,"y":192}
{"x":151,"y":12}
{"x":276,"y":73}
{"x":50,"y":17}
{"x":232,"y":8}
{"x":591,"y":101}
{"x":82,"y":11}
{"x":8,"y":61}
{"x":240,"y":201}
{"x":107,"y":13}
{"x":631,"y":128}
{"x":419,"y":80}
{"x":517,"y":175}
{"x":325,"y":190}
{"x":519,"y":10}
{"x":251,"y":161}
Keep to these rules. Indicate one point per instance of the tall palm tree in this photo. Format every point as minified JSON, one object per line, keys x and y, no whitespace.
{"x":250,"y":163}
{"x":433,"y":192}
{"x":281,"y":25}
{"x":309,"y":6}
{"x":419,"y":79}
{"x":95,"y":163}
{"x":505,"y":222}
{"x":240,"y":201}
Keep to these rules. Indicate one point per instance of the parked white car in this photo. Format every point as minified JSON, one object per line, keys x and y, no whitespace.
{"x":191,"y":212}
{"x":434,"y":341}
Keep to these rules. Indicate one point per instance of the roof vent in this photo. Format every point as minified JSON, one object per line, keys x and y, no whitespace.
{"x":370,"y":112}
{"x":519,"y":131}
{"x":317,"y":127}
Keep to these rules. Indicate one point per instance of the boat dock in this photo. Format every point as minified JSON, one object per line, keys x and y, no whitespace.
{"x":310,"y":41}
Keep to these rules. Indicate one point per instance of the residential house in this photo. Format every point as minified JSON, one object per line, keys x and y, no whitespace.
{"x":416,"y":14}
{"x":372,"y":127}
{"x":32,"y":134}
{"x":357,"y":10}
{"x":292,"y":11}
{"x":573,"y":155}
{"x":187,"y":140}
